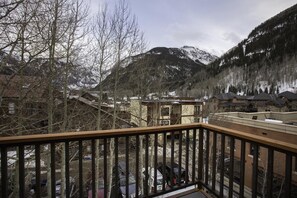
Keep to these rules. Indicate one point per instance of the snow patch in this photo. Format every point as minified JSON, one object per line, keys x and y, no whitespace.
{"x":252,"y":38}
{"x":173,"y":67}
{"x":279,"y":26}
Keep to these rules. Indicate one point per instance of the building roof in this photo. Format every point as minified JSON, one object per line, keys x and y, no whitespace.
{"x":269,"y":99}
{"x":95,"y":106}
{"x":88,"y":102}
{"x":288,"y":95}
{"x":229,"y":96}
{"x":32,"y":86}
{"x":172,"y":101}
{"x":264,"y":96}
{"x":232,"y":104}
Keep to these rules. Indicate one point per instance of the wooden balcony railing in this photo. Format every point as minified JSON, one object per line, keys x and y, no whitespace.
{"x":200,"y":155}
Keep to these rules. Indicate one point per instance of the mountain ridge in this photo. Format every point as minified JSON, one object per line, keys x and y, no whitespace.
{"x":168,"y":68}
{"x":268,"y":61}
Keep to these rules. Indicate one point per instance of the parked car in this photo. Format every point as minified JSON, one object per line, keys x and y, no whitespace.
{"x":33,"y":183}
{"x":174,"y":170}
{"x":121,"y":190}
{"x":152,"y":178}
{"x":100,"y":193}
{"x":43,"y":184}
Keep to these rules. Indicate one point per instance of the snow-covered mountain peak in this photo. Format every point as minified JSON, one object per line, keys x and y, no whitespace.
{"x":186,"y":52}
{"x":197,"y":54}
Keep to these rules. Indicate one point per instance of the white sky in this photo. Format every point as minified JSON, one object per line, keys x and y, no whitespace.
{"x":211,"y":25}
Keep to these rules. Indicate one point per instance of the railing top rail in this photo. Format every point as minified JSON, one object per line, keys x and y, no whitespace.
{"x":72,"y":136}
{"x":254,"y":138}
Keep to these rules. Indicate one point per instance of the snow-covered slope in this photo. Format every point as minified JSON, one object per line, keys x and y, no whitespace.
{"x":265,"y":60}
{"x":197,"y":54}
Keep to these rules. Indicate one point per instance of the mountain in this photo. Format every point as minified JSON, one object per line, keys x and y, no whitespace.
{"x":79,"y":76}
{"x":160,"y":69}
{"x":265,"y":60}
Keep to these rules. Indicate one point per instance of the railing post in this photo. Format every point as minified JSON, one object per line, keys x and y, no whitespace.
{"x":80,"y":169}
{"x":155,"y":162}
{"x":255,"y":170}
{"x":270,"y":172}
{"x":116,"y":165}
{"x":53,"y":170}
{"x":21,"y":171}
{"x":187,"y":157}
{"x":180,"y":156}
{"x":4,"y":172}
{"x":67,"y":173}
{"x":222,"y":171}
{"x":214,"y":158}
{"x":127,"y":165}
{"x":137,"y":165}
{"x":172,"y":158}
{"x":206,"y":156}
{"x":105,"y":167}
{"x":200,"y":159}
{"x":164,"y":159}
{"x":146,"y":165}
{"x":231,"y":166}
{"x":194,"y":156}
{"x":242,"y":168}
{"x":94,"y":173}
{"x":288,"y":176}
{"x":37,"y":170}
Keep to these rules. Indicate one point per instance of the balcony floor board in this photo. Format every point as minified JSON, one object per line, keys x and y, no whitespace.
{"x":194,"y":193}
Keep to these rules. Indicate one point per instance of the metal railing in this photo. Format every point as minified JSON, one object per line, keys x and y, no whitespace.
{"x":199,"y":155}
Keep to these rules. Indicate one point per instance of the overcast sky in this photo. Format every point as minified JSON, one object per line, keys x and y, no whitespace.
{"x":211,"y":25}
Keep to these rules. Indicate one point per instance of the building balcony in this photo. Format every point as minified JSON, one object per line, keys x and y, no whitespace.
{"x":201,"y":159}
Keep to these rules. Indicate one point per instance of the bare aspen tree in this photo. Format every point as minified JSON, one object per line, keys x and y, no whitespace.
{"x":142,"y":92}
{"x":125,"y":39}
{"x":20,"y":99}
{"x":102,"y":32}
{"x":76,"y":19}
{"x":52,"y":49}
{"x":54,"y":27}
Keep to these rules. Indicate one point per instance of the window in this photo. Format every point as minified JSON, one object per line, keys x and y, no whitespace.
{"x":11,"y":108}
{"x":197,"y":110}
{"x":165,"y":111}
